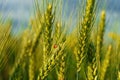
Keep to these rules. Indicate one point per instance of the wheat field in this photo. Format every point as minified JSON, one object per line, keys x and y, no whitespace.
{"x":61,"y":44}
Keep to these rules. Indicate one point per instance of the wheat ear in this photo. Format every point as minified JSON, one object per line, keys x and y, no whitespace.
{"x":100,"y":39}
{"x":105,"y":63}
{"x":57,"y":53}
{"x":84,"y":32}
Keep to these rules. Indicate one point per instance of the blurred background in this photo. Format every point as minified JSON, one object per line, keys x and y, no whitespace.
{"x":20,"y":12}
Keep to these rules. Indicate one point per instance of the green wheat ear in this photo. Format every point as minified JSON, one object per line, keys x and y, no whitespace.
{"x":48,"y":23}
{"x":61,"y":73}
{"x":92,"y":64}
{"x":84,"y":32}
{"x":52,"y":62}
{"x":26,"y":43}
{"x":105,"y":63}
{"x":61,"y":67}
{"x":100,"y":36}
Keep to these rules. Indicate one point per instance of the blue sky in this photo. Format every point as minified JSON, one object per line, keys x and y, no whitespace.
{"x":17,"y":10}
{"x":20,"y":11}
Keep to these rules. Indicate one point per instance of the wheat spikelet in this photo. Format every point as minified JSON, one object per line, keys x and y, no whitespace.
{"x":105,"y":63}
{"x":92,"y":71}
{"x":47,"y":32}
{"x":84,"y":32}
{"x":25,"y":49}
{"x":31,"y":67}
{"x":92,"y":64}
{"x":32,"y":50}
{"x":101,"y":32}
{"x":35,"y":43}
{"x":57,"y":32}
{"x":100,"y":39}
{"x":62,"y":62}
{"x":61,"y":73}
{"x":76,"y":52}
{"x":57,"y":53}
{"x":37,"y":28}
